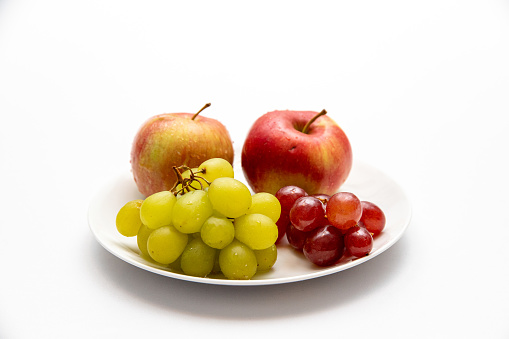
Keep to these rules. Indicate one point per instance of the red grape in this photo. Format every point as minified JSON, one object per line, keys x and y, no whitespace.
{"x":287,"y":196}
{"x":373,"y":218}
{"x":326,"y":227}
{"x":344,"y":210}
{"x":324,"y":246}
{"x":358,"y":241}
{"x":282,"y":225}
{"x":295,"y":237}
{"x":324,"y":198}
{"x":307,"y":214}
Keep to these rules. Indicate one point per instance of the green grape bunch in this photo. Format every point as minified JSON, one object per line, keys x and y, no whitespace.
{"x":208,"y":223}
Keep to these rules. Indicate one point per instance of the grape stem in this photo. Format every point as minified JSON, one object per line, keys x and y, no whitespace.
{"x":196,"y":114}
{"x":306,"y":128}
{"x":186,"y":183}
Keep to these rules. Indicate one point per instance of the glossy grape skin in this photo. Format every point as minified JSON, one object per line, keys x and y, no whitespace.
{"x":217,"y":232}
{"x":165,"y":244}
{"x":128,"y":219}
{"x":296,"y":238}
{"x":358,"y":241}
{"x":198,"y":258}
{"x":372,"y":218}
{"x":142,"y":238}
{"x":237,"y":261}
{"x":266,"y":258}
{"x":156,"y":209}
{"x":287,"y":196}
{"x":267,"y":204}
{"x":324,"y":198}
{"x":307,"y":213}
{"x":190,"y":211}
{"x":215,"y":168}
{"x":324,"y":246}
{"x":230,"y":197}
{"x":257,"y":231}
{"x":344,"y":210}
{"x":282,"y":225}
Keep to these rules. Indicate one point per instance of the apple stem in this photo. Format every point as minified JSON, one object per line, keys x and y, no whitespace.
{"x":305,"y":129}
{"x":196,"y":114}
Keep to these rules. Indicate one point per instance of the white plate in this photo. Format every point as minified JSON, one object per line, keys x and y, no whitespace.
{"x":365,"y":181}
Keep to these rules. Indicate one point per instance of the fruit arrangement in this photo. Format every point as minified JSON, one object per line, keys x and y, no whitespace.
{"x":197,"y":219}
{"x":207,"y":223}
{"x":327,"y":227}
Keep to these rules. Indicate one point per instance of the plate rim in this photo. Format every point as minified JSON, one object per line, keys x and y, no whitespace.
{"x":321,"y":272}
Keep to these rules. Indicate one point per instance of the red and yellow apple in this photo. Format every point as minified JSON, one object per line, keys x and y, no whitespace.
{"x":302,"y":148}
{"x":175,"y":139}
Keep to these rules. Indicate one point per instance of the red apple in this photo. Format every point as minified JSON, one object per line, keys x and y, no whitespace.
{"x":175,"y":139}
{"x":302,"y":148}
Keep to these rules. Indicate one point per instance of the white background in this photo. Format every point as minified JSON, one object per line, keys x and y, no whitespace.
{"x":420,"y":87}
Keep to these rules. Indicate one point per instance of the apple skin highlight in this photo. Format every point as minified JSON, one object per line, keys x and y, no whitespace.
{"x":276,"y":153}
{"x":174,"y":139}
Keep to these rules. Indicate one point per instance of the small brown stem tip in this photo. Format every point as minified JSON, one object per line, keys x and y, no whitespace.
{"x":196,"y":114}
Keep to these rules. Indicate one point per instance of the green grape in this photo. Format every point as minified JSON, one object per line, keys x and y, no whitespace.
{"x":267,"y":204}
{"x":214,"y":168}
{"x":128,"y":218}
{"x":166,"y":244}
{"x":175,"y":266}
{"x":257,"y":231}
{"x":216,"y":269}
{"x":266,"y":258}
{"x":230,"y":197}
{"x":157,"y":208}
{"x":237,"y":261}
{"x":142,"y":239}
{"x":198,"y":258}
{"x":217,"y":214}
{"x":217,"y":232}
{"x":191,"y":211}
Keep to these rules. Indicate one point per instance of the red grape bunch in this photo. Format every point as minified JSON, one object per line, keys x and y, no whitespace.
{"x":327,"y":227}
